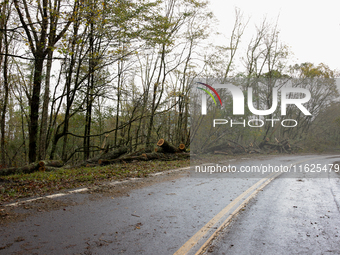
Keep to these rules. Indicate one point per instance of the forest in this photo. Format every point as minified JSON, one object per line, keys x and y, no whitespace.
{"x":81,"y":77}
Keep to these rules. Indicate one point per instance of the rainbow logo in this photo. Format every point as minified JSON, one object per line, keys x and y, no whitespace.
{"x":209,"y":93}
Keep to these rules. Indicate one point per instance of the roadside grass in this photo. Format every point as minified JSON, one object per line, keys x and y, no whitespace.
{"x":18,"y":186}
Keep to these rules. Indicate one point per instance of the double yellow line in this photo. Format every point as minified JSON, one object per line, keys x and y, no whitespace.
{"x":207,"y":227}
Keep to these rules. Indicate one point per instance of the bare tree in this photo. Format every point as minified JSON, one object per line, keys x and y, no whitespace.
{"x":42,"y":34}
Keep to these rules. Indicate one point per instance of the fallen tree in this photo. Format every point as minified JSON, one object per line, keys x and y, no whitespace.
{"x":181,"y":147}
{"x":33,"y":167}
{"x":107,"y":156}
{"x":167,"y":147}
{"x":229,"y":147}
{"x":277,"y":146}
{"x":52,"y":163}
{"x":164,"y":151}
{"x":145,"y":157}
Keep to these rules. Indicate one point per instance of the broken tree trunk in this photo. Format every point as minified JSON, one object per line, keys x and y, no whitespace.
{"x":20,"y":170}
{"x":52,"y":163}
{"x":230,"y":147}
{"x":154,"y":155}
{"x":279,"y":146}
{"x":144,"y":157}
{"x":159,"y":150}
{"x":166,"y":146}
{"x":167,"y":156}
{"x":107,"y":156}
{"x":42,"y":169}
{"x":181,"y":147}
{"x":104,"y":162}
{"x":138,"y":153}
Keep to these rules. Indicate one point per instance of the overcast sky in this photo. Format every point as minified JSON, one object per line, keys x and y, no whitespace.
{"x":310,"y":28}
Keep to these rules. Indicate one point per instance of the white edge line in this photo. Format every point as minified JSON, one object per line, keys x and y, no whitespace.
{"x":86,"y":189}
{"x":78,"y":190}
{"x":56,"y":195}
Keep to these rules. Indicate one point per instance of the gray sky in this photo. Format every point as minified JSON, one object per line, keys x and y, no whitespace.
{"x":310,"y":28}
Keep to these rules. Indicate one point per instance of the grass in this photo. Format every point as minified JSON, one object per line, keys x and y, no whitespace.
{"x":18,"y":186}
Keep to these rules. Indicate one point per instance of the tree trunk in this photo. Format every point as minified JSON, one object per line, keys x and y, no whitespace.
{"x":89,"y":93}
{"x":118,"y":100}
{"x":34,"y":106}
{"x":44,"y":116}
{"x":110,"y":155}
{"x":181,"y":147}
{"x":40,"y":43}
{"x":167,"y":147}
{"x":52,"y":163}
{"x":155,"y":104}
{"x":33,"y":167}
{"x":5,"y":99}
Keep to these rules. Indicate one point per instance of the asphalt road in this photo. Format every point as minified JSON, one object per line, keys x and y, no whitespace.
{"x":181,"y":214}
{"x":291,"y":216}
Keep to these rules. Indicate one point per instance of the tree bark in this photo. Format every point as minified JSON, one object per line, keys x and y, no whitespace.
{"x":44,"y":115}
{"x":5,"y":99}
{"x":90,"y":87}
{"x":167,"y":147}
{"x":40,"y":43}
{"x":52,"y":163}
{"x":110,"y":155}
{"x":20,"y":170}
{"x":34,"y":106}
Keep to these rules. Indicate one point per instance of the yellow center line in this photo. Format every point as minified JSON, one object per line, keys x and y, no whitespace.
{"x":227,"y":221}
{"x":195,"y":238}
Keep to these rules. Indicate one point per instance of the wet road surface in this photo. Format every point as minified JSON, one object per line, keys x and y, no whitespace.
{"x":290,"y":215}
